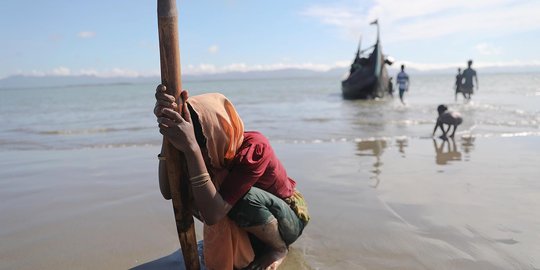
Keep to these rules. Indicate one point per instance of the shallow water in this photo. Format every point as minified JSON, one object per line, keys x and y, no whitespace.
{"x":292,"y":110}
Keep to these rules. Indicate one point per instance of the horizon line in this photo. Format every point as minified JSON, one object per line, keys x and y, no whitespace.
{"x":209,"y":70}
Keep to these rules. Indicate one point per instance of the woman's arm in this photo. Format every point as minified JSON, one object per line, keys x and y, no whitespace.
{"x":163,"y":177}
{"x":163,"y":101}
{"x":208,"y":201}
{"x":165,"y":187}
{"x":181,"y":135}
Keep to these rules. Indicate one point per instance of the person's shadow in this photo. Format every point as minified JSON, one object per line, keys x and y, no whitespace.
{"x":173,"y":261}
{"x":443,"y":156}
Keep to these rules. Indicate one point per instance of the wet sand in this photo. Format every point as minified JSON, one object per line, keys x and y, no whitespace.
{"x":402,"y":204}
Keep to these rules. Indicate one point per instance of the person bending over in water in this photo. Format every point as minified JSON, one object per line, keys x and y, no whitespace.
{"x":235,"y":176}
{"x":449,"y":118}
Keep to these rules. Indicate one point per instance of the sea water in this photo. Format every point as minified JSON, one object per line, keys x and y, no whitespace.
{"x":303,"y":110}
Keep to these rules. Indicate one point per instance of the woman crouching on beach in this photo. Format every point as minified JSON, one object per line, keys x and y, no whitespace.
{"x":250,"y":208}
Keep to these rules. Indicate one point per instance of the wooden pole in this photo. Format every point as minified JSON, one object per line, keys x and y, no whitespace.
{"x":169,"y":53}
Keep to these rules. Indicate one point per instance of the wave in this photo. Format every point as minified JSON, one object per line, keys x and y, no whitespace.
{"x":461,"y":135}
{"x":88,"y":131}
{"x":26,"y":146}
{"x":467,"y":134}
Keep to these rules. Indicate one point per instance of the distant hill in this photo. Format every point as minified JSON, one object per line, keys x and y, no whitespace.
{"x":22,"y":81}
{"x":271,"y":74}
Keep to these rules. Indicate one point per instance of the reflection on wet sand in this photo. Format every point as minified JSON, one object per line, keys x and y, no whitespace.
{"x":467,"y":144}
{"x":373,"y":148}
{"x":402,"y":143}
{"x":174,"y":260}
{"x":443,"y":156}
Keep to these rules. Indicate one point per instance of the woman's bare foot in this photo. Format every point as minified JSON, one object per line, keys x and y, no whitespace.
{"x":270,"y":260}
{"x":275,"y":250}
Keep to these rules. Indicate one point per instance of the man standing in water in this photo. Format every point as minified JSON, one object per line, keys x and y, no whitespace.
{"x":468,"y":87}
{"x":459,"y":81}
{"x":403,"y":83}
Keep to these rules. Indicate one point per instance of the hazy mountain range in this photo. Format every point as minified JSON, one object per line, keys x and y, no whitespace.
{"x":24,"y":81}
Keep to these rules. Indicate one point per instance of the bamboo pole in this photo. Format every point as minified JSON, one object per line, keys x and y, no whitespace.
{"x":169,"y":52}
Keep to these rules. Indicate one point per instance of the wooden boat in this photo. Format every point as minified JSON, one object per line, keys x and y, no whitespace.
{"x":368,"y":77}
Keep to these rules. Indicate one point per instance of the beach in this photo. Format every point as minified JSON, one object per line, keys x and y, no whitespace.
{"x":374,"y":205}
{"x":79,"y":189}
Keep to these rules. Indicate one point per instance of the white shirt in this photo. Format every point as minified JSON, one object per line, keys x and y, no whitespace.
{"x":402,"y":80}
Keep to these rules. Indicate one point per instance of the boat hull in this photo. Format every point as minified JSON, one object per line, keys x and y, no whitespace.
{"x":362,"y":86}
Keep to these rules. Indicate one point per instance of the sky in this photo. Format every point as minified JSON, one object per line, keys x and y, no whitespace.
{"x":119,"y":37}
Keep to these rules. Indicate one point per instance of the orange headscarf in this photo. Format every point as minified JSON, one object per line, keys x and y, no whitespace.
{"x":226,"y":246}
{"x":221,"y":125}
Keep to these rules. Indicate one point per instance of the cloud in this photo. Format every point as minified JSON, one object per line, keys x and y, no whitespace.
{"x":203,"y":69}
{"x":200,"y":69}
{"x":487,"y":49}
{"x":213,"y":49}
{"x":510,"y":65}
{"x":243,"y":67}
{"x":86,"y":34}
{"x":61,"y":71}
{"x":105,"y":73}
{"x":420,"y":66}
{"x":426,"y":19}
{"x":58,"y":71}
{"x":347,"y":19}
{"x":88,"y":72}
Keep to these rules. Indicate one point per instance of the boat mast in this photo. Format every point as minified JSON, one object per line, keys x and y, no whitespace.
{"x":376,"y":22}
{"x":359,"y":47}
{"x":378,"y":63}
